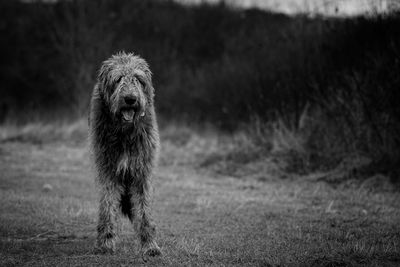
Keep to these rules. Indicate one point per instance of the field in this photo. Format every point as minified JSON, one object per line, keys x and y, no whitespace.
{"x":205,"y":216}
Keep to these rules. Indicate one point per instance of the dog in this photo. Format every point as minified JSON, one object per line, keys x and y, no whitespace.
{"x":124,"y":140}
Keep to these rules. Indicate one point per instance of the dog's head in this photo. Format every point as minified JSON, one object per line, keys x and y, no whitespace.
{"x":125,"y":85}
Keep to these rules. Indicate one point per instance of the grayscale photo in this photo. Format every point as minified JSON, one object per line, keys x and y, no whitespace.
{"x":200,"y":133}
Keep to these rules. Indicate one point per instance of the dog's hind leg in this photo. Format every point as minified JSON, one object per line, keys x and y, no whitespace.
{"x":108,"y":224}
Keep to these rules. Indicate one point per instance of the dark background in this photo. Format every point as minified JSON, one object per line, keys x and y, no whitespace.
{"x":333,"y":82}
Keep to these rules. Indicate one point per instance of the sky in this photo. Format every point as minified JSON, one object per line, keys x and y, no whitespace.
{"x":322,"y":7}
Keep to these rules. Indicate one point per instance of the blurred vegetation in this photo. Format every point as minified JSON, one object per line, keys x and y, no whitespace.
{"x":316,"y":89}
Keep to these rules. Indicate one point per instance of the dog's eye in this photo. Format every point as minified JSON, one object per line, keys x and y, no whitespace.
{"x":118,"y":80}
{"x":140,"y":81}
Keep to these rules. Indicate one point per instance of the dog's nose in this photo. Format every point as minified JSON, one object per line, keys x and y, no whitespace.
{"x":130,"y":100}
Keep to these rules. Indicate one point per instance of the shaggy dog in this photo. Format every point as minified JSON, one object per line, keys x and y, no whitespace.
{"x":124,"y":141}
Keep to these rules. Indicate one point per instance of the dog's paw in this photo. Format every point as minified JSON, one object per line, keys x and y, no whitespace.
{"x":151,"y":250}
{"x":105,"y":247}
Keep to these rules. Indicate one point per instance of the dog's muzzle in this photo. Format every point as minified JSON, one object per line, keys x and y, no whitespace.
{"x":130,"y":108}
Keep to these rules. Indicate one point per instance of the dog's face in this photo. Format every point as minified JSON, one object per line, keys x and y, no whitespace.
{"x":126,"y":86}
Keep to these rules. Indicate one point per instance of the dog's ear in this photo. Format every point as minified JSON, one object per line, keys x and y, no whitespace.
{"x":104,"y":77}
{"x":144,"y":75}
{"x":149,"y":83}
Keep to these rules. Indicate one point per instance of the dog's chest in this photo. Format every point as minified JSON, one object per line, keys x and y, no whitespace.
{"x":124,"y":164}
{"x":131,"y":157}
{"x":127,"y":164}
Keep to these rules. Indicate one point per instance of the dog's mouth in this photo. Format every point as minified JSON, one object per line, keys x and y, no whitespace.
{"x":128,"y":114}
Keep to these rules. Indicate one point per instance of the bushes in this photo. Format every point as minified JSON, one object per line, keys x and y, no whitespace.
{"x":215,"y":64}
{"x":210,"y":62}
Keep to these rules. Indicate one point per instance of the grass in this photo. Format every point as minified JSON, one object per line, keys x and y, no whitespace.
{"x":205,"y":216}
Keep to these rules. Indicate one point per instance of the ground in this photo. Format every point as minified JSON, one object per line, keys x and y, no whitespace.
{"x":48,"y":215}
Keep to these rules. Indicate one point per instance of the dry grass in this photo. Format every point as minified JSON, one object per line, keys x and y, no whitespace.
{"x":48,"y":211}
{"x":279,"y":148}
{"x":38,"y":132}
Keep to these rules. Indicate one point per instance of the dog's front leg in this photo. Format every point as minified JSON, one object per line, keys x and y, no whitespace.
{"x":107,"y":227}
{"x":145,"y":229}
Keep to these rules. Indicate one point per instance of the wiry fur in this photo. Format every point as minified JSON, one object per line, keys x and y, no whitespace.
{"x":125,"y":153}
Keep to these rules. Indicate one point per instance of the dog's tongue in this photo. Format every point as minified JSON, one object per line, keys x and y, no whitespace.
{"x":128,"y":114}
